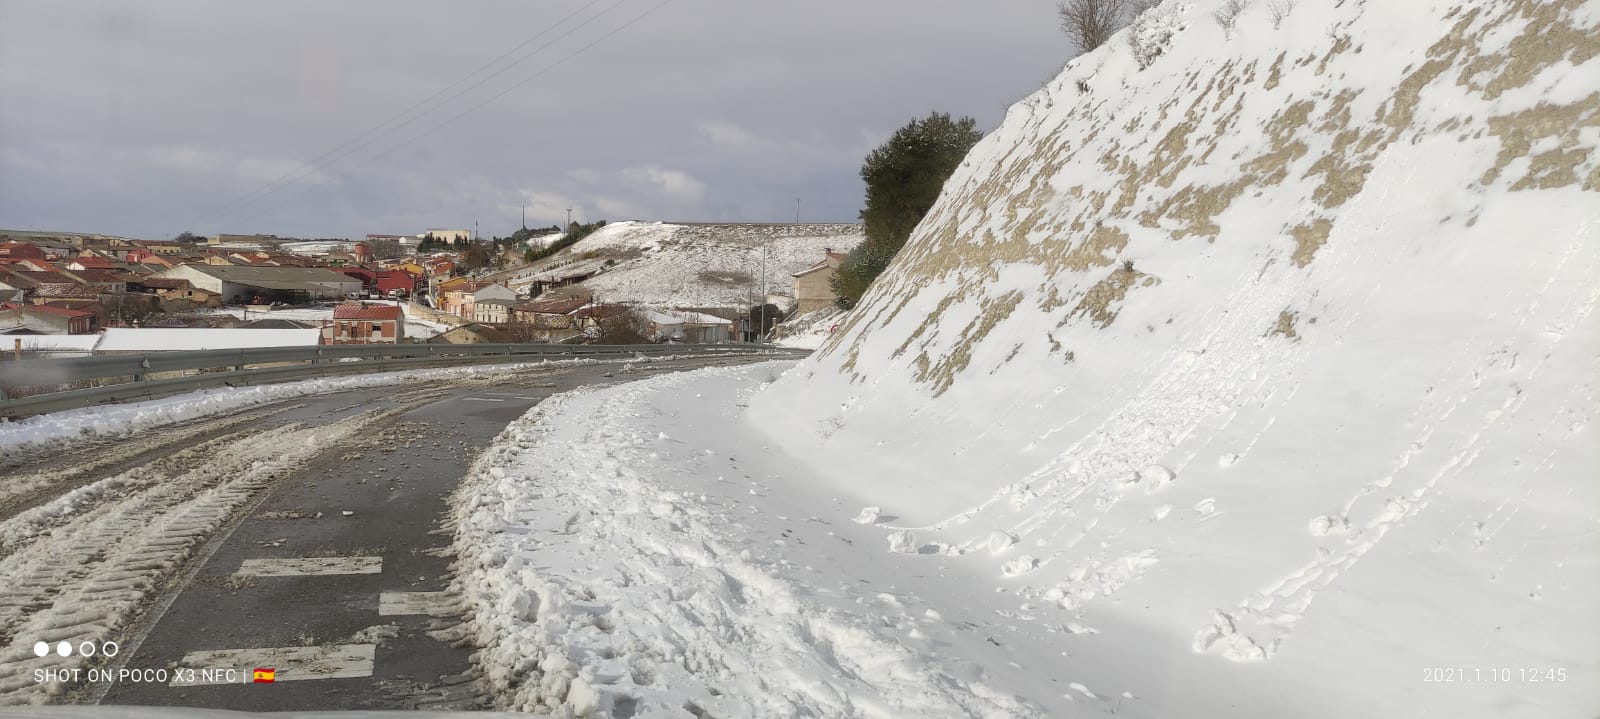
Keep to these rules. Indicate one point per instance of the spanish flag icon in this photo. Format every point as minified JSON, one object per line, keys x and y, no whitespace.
{"x":264,"y":676}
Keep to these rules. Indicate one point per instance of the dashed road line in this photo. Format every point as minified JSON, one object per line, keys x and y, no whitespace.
{"x":396,"y":604}
{"x":481,"y":399}
{"x":309,"y":566}
{"x":336,"y":661}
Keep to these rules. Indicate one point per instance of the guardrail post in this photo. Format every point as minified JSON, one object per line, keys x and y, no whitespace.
{"x":144,"y":364}
{"x":239,"y":365}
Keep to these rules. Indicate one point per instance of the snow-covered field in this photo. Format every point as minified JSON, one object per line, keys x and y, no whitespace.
{"x":666,"y":265}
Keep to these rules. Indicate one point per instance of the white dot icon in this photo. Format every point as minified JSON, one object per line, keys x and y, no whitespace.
{"x":41,"y":648}
{"x":64,"y":649}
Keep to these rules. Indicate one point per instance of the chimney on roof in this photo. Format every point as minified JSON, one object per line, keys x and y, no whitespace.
{"x":828,"y":250}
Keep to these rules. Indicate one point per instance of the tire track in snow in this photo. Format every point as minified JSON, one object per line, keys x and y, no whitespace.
{"x":102,"y":459}
{"x":127,"y":535}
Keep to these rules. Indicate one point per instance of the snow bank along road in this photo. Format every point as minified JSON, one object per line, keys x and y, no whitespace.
{"x":300,"y":535}
{"x":647,"y":550}
{"x":635,"y":552}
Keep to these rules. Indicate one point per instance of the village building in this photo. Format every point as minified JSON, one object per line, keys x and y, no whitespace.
{"x":492,"y":311}
{"x":813,"y":286}
{"x":361,"y":323}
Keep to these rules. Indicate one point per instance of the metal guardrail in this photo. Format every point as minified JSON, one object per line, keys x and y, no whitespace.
{"x":235,"y":367}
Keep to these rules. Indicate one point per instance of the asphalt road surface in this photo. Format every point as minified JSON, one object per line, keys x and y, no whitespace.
{"x":334,"y":575}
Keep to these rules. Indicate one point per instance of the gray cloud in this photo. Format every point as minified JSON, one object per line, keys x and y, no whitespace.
{"x":150,"y":118}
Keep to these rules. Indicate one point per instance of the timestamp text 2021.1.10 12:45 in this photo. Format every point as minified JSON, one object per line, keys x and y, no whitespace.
{"x":1494,"y":675}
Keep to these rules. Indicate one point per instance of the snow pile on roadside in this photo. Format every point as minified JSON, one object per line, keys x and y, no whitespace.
{"x":123,"y":419}
{"x":810,"y":330}
{"x":631,"y":551}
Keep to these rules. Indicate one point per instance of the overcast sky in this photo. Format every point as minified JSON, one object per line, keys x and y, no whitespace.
{"x":150,"y":118}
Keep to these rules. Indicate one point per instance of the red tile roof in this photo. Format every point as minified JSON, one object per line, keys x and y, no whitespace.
{"x":44,"y":277}
{"x":61,"y":311}
{"x":353,"y":311}
{"x":10,"y":247}
{"x":98,"y":263}
{"x":99,"y":276}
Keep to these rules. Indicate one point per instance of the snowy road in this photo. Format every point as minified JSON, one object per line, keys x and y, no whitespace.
{"x":301,"y":534}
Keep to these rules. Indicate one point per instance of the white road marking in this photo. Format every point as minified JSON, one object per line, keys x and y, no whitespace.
{"x":481,"y":399}
{"x":393,"y":604}
{"x":310,"y":566}
{"x":337,"y":661}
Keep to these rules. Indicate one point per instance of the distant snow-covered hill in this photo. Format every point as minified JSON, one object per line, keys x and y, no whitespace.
{"x":690,"y":265}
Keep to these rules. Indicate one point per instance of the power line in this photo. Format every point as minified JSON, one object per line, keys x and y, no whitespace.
{"x":362,"y":144}
{"x":487,"y":101}
{"x":276,"y":184}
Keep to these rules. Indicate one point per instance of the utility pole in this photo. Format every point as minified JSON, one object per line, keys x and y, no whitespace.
{"x":524,"y":215}
{"x":797,"y":210}
{"x":761,"y":307}
{"x":569,"y":219}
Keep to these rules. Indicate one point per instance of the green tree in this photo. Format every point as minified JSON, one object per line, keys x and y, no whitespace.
{"x":904,"y":177}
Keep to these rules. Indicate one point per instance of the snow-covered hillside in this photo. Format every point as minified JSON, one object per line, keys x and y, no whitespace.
{"x":810,"y":330}
{"x":670,"y":265}
{"x":1259,"y":380}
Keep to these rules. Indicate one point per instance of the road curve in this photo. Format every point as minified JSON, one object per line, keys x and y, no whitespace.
{"x":303,"y":536}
